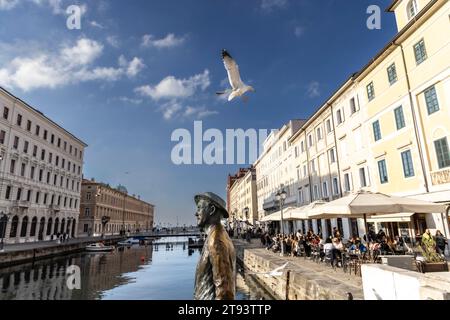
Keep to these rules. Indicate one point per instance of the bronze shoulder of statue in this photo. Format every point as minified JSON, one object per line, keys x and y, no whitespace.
{"x":216,"y":269}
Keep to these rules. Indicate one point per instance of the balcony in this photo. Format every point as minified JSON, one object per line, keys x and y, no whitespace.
{"x":21,"y":204}
{"x":55,"y":208}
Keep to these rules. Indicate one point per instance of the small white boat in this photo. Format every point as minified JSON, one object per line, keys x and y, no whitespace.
{"x":99,"y":247}
{"x":128,"y":242}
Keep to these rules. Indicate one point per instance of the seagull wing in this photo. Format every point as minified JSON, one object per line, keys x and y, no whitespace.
{"x":233,"y":70}
{"x":280,"y":268}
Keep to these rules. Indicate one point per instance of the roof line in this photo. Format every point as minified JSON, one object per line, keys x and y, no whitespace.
{"x":43,"y":115}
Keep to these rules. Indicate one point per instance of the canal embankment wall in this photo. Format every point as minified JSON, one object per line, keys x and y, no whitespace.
{"x":300,"y":280}
{"x":31,"y":254}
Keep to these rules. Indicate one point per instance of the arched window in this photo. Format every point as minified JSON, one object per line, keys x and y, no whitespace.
{"x":74,"y":222}
{"x":49,"y":226}
{"x":63,"y":225}
{"x":33,"y":227}
{"x":55,"y":231}
{"x":23,"y":230}
{"x":412,"y":8}
{"x":14,"y":224}
{"x":41,"y":229}
{"x":3,"y":223}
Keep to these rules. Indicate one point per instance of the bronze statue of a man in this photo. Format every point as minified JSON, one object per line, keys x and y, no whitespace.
{"x":215,"y":277}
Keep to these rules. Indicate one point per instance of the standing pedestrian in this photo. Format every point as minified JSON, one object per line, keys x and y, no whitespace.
{"x":441,"y":242}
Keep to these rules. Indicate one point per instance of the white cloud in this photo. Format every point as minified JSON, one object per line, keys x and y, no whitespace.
{"x":269,"y":5}
{"x":299,"y":31}
{"x":171,"y":87}
{"x":8,"y":4}
{"x":313,"y":89}
{"x":134,"y":67}
{"x":199,"y":112}
{"x":170,"y":109}
{"x":95,"y":24}
{"x":168,"y":41}
{"x":68,"y":65}
{"x":130,"y":100}
{"x":113,"y":41}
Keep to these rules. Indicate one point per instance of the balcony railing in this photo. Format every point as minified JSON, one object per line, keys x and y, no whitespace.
{"x":21,"y":204}
{"x":54,"y":208}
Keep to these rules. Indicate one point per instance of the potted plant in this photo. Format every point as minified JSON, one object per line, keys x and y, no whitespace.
{"x":428,"y":260}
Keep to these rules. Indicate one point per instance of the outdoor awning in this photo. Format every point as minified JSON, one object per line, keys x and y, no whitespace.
{"x":277,"y":215}
{"x":394,"y":217}
{"x":301,"y":213}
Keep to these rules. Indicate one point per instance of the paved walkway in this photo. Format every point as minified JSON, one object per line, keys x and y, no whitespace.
{"x":345,"y":281}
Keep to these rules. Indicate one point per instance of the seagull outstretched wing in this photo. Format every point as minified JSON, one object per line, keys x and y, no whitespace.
{"x":233,"y":70}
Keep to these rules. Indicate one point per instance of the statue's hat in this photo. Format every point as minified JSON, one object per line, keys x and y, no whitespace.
{"x":214,"y":198}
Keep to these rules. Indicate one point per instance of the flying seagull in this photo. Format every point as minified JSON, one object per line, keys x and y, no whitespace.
{"x":274,"y":273}
{"x":238,"y":87}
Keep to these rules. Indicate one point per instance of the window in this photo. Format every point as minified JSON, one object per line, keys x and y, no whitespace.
{"x":295,"y":153}
{"x":353,"y":107}
{"x":8,"y":192}
{"x":284,"y":146}
{"x":301,"y":199}
{"x":25,"y":147}
{"x":87,"y":212}
{"x":19,"y":120}
{"x":57,"y":161}
{"x":362,"y":177}
{"x":55,"y":177}
{"x":22,"y":170}
{"x":19,"y":194}
{"x":28,"y":125}
{"x":412,"y":9}
{"x":29,"y":195}
{"x":304,"y":171}
{"x":2,"y":136}
{"x":38,"y":194}
{"x":420,"y":52}
{"x":42,"y":154}
{"x":319,"y":134}
{"x":70,"y":149}
{"x":399,"y":118}
{"x":45,"y":134}
{"x":376,"y":130}
{"x":408,"y":167}
{"x":65,"y":202}
{"x":332,"y":156}
{"x":38,"y":129}
{"x":316,"y":192}
{"x":50,"y":157}
{"x":88,"y":196}
{"x":12,"y":168}
{"x":79,"y":167}
{"x":442,"y":153}
{"x":383,"y":171}
{"x":81,"y":154}
{"x":61,"y":181}
{"x":313,"y":166}
{"x":328,"y":126}
{"x":392,"y":74}
{"x":34,"y":151}
{"x":48,"y":177}
{"x":63,"y":163}
{"x":59,"y":142}
{"x":325,"y":189}
{"x":339,"y":117}
{"x":32,"y":170}
{"x":41,"y":173}
{"x":16,"y":142}
{"x":85,"y":228}
{"x":302,"y":146}
{"x":335,"y":186}
{"x":52,"y":139}
{"x":5,"y":113}
{"x":370,"y":91}
{"x":431,"y":100}
{"x":310,"y":140}
{"x":347,"y":183}
{"x":45,"y":198}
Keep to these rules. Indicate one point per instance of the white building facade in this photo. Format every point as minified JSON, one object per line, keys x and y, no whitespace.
{"x":40,"y":174}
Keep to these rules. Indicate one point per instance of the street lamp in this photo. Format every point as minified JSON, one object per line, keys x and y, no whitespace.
{"x":281,"y":197}
{"x":3,"y":223}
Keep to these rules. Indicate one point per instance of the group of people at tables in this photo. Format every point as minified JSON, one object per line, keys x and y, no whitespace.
{"x":334,"y":246}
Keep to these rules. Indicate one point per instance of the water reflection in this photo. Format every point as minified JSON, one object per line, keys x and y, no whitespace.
{"x":162,"y":270}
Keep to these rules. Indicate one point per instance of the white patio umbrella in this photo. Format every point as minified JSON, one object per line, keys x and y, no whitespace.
{"x":302,"y":213}
{"x":363,"y":203}
{"x":277,"y":215}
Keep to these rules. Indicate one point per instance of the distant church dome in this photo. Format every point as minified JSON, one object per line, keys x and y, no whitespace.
{"x":122,"y":188}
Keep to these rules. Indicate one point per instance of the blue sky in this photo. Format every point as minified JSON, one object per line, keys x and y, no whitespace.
{"x":137,"y":70}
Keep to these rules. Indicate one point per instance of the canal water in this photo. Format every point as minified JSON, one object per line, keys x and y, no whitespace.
{"x":163,"y":270}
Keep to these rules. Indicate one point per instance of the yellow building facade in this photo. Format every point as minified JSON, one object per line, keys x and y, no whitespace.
{"x":386,"y":129}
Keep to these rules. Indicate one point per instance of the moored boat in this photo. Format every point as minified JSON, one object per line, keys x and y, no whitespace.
{"x":99,"y":247}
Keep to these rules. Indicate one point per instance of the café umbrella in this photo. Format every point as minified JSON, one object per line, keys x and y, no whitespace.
{"x":365,"y":203}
